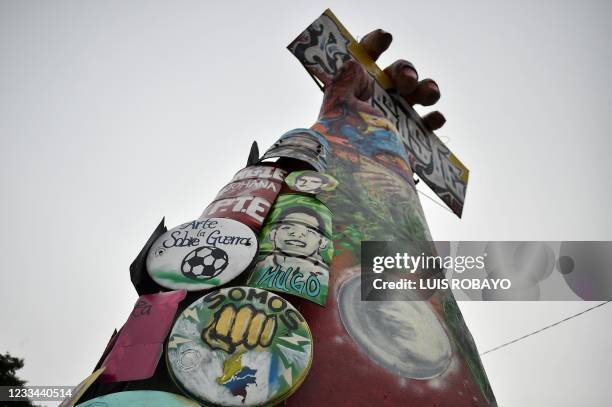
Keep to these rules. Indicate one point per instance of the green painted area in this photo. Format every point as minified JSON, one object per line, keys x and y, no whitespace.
{"x":140,"y":398}
{"x":177,"y":278}
{"x":292,"y":279}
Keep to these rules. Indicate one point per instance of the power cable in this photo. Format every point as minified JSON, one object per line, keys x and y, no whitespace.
{"x":531,"y":333}
{"x":434,"y":201}
{"x":544,"y":328}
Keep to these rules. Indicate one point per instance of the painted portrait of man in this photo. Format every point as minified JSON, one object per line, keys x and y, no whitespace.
{"x":311,"y":182}
{"x":295,"y":249}
{"x":298,"y":233}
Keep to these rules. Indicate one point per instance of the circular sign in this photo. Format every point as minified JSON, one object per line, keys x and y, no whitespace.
{"x":404,"y":337}
{"x":201,"y":254}
{"x":239,"y":346}
{"x":140,"y":398}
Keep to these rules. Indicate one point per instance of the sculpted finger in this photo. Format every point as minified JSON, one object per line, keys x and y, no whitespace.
{"x":404,"y":76}
{"x":351,"y":82}
{"x":225,"y":321}
{"x":426,"y":93}
{"x":268,"y":332}
{"x":434,"y":120}
{"x":376,"y":42}
{"x":241,"y":323}
{"x":257,"y":324}
{"x":215,"y":343}
{"x":210,"y":336}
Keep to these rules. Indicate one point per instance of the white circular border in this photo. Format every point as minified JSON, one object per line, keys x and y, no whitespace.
{"x":171,"y":258}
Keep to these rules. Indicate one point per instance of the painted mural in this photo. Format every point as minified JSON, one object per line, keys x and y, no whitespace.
{"x":239,"y":346}
{"x":247,"y":346}
{"x":324,"y":47}
{"x":398,"y":353}
{"x":295,"y":249}
{"x":201,"y":254}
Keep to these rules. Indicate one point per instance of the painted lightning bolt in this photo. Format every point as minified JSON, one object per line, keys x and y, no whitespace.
{"x":177,"y":340}
{"x":191,"y":312}
{"x":296,"y":340}
{"x":287,"y":375}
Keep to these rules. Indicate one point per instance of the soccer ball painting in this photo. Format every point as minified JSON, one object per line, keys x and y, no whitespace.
{"x":201,"y":254}
{"x":204,"y":262}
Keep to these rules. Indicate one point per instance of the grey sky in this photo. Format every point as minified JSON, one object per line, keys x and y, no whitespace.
{"x":114,"y":114}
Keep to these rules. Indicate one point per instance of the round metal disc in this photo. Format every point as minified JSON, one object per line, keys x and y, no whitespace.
{"x":201,"y":254}
{"x":404,"y":337}
{"x":140,"y":398}
{"x":310,"y":182}
{"x":239,"y":346}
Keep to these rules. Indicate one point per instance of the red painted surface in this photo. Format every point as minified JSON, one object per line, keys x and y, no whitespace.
{"x":140,"y":343}
{"x":249,"y":197}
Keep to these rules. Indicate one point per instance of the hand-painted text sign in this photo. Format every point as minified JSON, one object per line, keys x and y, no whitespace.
{"x":201,"y":254}
{"x":249,"y":196}
{"x":239,"y":346}
{"x":324,"y":47}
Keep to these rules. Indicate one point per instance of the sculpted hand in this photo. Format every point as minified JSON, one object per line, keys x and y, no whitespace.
{"x":354,"y":83}
{"x":239,"y":329}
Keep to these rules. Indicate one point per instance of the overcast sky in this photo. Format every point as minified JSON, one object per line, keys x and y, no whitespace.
{"x":116,"y":113}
